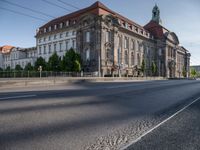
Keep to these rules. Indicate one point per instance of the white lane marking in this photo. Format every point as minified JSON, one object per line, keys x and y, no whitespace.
{"x":158,"y":125}
{"x":14,"y":97}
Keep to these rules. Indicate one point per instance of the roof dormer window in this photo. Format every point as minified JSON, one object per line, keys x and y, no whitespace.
{"x":55,"y":27}
{"x":61,"y":25}
{"x":136,"y":29}
{"x":67,"y":23}
{"x":74,"y":22}
{"x":49,"y":28}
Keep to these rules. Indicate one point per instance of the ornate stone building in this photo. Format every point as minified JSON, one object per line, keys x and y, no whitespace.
{"x":112,"y":44}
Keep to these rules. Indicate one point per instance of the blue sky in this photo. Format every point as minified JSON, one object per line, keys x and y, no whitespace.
{"x":179,"y":16}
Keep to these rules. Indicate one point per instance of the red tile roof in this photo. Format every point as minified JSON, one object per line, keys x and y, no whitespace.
{"x":156,"y":29}
{"x":6,"y":49}
{"x":97,"y":8}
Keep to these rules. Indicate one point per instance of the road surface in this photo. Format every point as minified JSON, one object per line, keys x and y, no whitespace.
{"x":90,"y":116}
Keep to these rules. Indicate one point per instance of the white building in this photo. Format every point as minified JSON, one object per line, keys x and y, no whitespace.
{"x":11,"y":56}
{"x":58,"y":41}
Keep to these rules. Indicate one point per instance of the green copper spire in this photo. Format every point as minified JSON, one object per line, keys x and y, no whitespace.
{"x":156,"y":14}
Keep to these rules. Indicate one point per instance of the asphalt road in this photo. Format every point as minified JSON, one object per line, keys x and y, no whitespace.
{"x":182,"y":132}
{"x":93,"y":115}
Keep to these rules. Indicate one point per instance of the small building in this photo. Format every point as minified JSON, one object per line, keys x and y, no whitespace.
{"x":11,"y":56}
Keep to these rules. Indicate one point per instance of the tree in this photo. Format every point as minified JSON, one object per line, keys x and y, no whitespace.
{"x":29,"y":67}
{"x":1,"y":69}
{"x":8,"y":68}
{"x":143,"y":67}
{"x":193,"y":72}
{"x":71,"y":61}
{"x":40,"y":62}
{"x":18,"y":67}
{"x":184,"y":72}
{"x":153,"y":68}
{"x":54,"y":63}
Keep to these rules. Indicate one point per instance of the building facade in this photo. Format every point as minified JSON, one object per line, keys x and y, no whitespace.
{"x":112,"y":44}
{"x":11,"y":56}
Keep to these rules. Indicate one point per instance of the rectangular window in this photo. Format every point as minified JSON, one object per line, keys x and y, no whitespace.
{"x":54,"y":47}
{"x":133,"y":45}
{"x":49,"y":49}
{"x":74,"y":44}
{"x":67,"y":45}
{"x":126,"y":43}
{"x":88,"y":54}
{"x":61,"y":25}
{"x":40,"y":50}
{"x":44,"y":49}
{"x":55,"y":36}
{"x":88,"y":36}
{"x":108,"y":36}
{"x":49,"y":38}
{"x":67,"y":23}
{"x":74,"y":33}
{"x":67,"y":34}
{"x":60,"y":47}
{"x":61,"y":35}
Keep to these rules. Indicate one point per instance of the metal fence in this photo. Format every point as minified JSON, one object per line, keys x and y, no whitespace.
{"x":27,"y":74}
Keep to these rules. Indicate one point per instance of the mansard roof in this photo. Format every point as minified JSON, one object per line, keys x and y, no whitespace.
{"x":97,"y":8}
{"x":160,"y":32}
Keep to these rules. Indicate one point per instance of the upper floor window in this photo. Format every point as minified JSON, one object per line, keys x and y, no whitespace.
{"x":44,"y":39}
{"x":49,"y":49}
{"x":133,"y":45}
{"x":74,"y":44}
{"x":40,"y":50}
{"x":126,"y":43}
{"x":55,"y":36}
{"x":108,"y":36}
{"x":60,"y":47}
{"x":44,"y":49}
{"x":88,"y":36}
{"x":74,"y":33}
{"x":55,"y":47}
{"x":67,"y":34}
{"x":67,"y":45}
{"x":61,"y":35}
{"x":45,"y":30}
{"x":49,"y":38}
